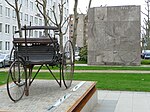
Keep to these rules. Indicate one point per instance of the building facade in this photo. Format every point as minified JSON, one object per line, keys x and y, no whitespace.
{"x":29,"y":15}
{"x":114,"y":35}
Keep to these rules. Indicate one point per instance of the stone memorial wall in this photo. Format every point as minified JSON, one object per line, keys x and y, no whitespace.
{"x":114,"y":35}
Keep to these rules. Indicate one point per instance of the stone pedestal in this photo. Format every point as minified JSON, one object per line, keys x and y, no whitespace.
{"x":44,"y":95}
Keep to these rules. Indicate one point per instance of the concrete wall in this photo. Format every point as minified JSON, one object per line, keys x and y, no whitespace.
{"x":114,"y":35}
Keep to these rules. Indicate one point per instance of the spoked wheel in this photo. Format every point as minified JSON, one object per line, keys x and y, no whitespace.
{"x":68,"y":64}
{"x":16,"y":81}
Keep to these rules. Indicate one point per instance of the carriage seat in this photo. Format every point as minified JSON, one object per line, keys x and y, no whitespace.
{"x":37,"y":51}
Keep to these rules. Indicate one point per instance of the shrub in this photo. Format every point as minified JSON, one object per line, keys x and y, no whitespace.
{"x":145,"y":61}
{"x":83,"y":53}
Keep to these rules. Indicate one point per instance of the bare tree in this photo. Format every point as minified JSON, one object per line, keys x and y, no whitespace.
{"x":59,"y":23}
{"x":146,"y":26}
{"x":17,"y":8}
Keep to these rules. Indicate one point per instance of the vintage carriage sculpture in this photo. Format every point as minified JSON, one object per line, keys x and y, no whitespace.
{"x":28,"y":52}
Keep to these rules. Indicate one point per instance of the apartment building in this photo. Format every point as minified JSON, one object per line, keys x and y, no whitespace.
{"x":29,"y":14}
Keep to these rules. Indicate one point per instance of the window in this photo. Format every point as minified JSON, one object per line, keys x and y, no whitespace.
{"x":13,"y":14}
{"x":21,"y":15}
{"x":26,"y":3}
{"x":54,"y":6}
{"x":26,"y":17}
{"x":31,"y":33}
{"x":40,"y":21}
{"x":65,"y":18}
{"x":1,"y":27}
{"x":36,"y":20}
{"x":20,"y":1}
{"x":0,"y":45}
{"x":31,"y":5}
{"x":47,"y":12}
{"x":31,"y":19}
{"x":7,"y":12}
{"x":40,"y":34}
{"x":65,"y":10}
{"x":7,"y":28}
{"x":14,"y":28}
{"x":65,"y":39}
{"x":7,"y":45}
{"x":1,"y":10}
{"x":27,"y":33}
{"x":48,"y":2}
{"x":51,"y":14}
{"x":36,"y":34}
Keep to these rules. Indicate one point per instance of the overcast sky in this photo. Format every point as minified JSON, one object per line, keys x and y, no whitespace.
{"x":82,"y":4}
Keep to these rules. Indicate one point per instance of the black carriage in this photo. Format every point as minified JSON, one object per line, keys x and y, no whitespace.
{"x":43,"y":51}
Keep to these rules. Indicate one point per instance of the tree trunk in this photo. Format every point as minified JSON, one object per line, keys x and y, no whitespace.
{"x":86,"y":25}
{"x":85,"y":30}
{"x":18,"y":19}
{"x":75,"y":23}
{"x":61,"y":41}
{"x":45,"y":18}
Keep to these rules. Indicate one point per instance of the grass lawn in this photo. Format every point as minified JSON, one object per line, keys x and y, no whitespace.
{"x":106,"y":81}
{"x":103,"y":68}
{"x":117,"y":81}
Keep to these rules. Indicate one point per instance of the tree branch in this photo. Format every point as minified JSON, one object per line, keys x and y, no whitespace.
{"x":54,"y":15}
{"x":39,"y":2}
{"x":68,"y":18}
{"x":52,"y":21}
{"x":10,"y":4}
{"x":20,"y":7}
{"x":144,"y":13}
{"x":61,"y":13}
{"x":89,"y":4}
{"x":66,"y":29}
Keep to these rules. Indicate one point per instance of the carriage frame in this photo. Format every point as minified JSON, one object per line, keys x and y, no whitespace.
{"x":45,"y":51}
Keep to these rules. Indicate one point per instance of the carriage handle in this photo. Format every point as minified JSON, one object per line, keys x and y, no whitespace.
{"x":38,"y":28}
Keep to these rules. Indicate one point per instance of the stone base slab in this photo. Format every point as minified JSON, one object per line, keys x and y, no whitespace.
{"x":44,"y":94}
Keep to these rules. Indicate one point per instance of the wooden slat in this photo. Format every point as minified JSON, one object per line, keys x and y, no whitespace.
{"x":34,"y":40}
{"x":81,"y":102}
{"x":38,"y":28}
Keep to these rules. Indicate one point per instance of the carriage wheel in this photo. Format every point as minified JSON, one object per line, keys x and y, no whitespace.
{"x":68,"y":64}
{"x":16,"y":81}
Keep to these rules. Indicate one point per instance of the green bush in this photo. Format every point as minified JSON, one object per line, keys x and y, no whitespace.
{"x":145,"y":61}
{"x":83,"y":54}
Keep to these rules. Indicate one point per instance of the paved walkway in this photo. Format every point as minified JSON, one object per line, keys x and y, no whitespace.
{"x":103,"y":71}
{"x":122,"y":101}
{"x":91,"y":71}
